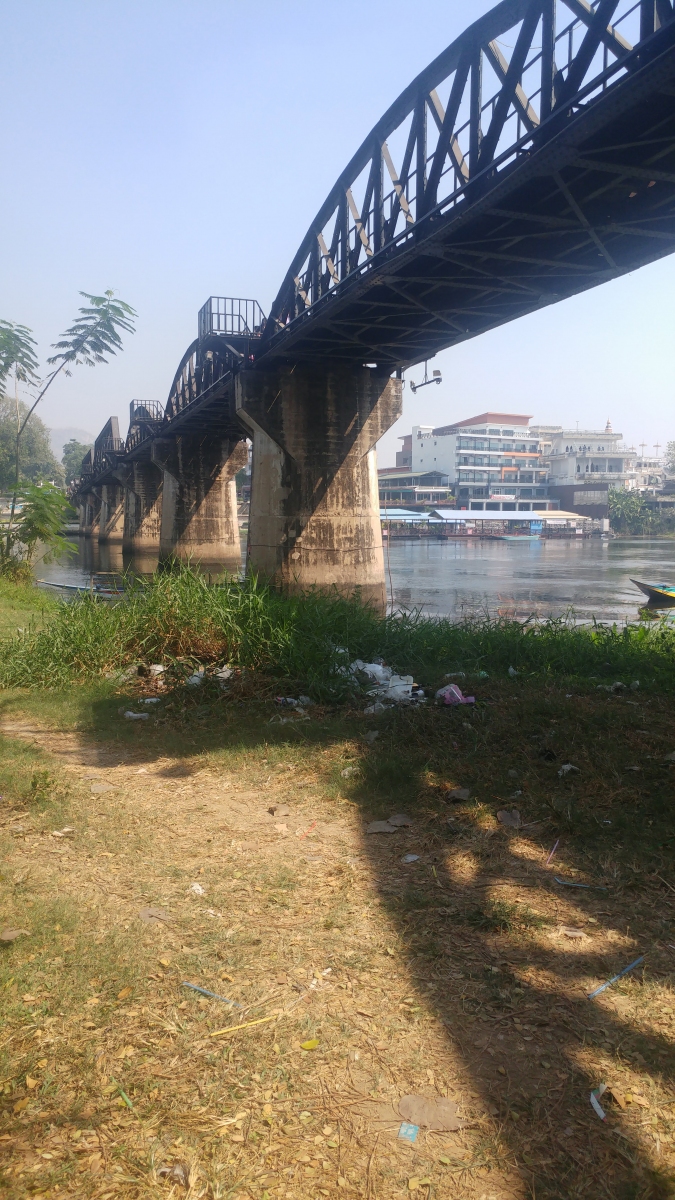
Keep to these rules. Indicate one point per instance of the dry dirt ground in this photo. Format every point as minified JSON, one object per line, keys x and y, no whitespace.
{"x":352,"y":979}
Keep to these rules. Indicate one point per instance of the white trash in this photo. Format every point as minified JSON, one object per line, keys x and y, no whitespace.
{"x":375,"y":671}
{"x":156,"y":669}
{"x":197,"y":679}
{"x":197,"y":889}
{"x":132,"y":716}
{"x":374,"y":710}
{"x":151,"y":700}
{"x":512,"y":672}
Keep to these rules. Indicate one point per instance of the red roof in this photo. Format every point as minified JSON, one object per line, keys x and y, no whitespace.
{"x":489,"y":418}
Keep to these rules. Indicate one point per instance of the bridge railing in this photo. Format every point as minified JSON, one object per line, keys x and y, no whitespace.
{"x":228,"y":315}
{"x":488,"y":99}
{"x":145,"y":419}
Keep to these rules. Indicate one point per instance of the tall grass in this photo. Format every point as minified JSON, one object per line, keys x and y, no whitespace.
{"x":305,"y":641}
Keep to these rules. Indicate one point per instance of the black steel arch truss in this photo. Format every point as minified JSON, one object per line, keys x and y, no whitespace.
{"x":491,"y":99}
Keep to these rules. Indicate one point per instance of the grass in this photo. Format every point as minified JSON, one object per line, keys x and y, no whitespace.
{"x":22,"y":606}
{"x":455,"y":974}
{"x":305,"y":642}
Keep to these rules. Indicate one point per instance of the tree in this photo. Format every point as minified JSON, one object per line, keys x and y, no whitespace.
{"x":628,"y":512}
{"x":95,"y":333}
{"x":669,"y":457}
{"x":73,"y":453}
{"x":37,"y":461}
{"x":42,"y":512}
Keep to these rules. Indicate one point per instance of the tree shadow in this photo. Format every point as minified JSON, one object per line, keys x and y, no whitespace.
{"x":480,"y":919}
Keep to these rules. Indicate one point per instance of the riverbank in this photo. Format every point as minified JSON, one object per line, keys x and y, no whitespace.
{"x":223,"y":841}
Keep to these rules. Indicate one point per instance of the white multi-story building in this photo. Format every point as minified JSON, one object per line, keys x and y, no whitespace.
{"x":494,"y":459}
{"x":584,"y":464}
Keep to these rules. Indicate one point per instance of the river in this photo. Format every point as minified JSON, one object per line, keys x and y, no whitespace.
{"x":462,"y":577}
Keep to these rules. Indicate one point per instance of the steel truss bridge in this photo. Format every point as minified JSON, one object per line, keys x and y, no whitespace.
{"x":533,"y":159}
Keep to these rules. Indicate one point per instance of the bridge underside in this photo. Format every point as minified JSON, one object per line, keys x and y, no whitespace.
{"x":592,"y":202}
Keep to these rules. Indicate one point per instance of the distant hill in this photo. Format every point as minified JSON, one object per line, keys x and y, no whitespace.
{"x":59,"y":437}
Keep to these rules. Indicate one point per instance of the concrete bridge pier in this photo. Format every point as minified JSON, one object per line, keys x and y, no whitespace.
{"x":315,"y":512}
{"x":142,"y":483}
{"x":111,"y":521}
{"x":90,"y":513}
{"x":199,"y":508}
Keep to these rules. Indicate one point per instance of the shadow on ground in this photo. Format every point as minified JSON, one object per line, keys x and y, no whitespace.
{"x":497,"y":951}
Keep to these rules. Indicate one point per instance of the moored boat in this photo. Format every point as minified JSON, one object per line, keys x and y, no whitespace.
{"x":657,"y":593}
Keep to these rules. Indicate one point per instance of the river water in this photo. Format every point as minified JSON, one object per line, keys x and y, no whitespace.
{"x":462,"y":577}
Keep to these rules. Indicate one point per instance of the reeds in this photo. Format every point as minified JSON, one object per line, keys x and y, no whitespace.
{"x":305,"y":641}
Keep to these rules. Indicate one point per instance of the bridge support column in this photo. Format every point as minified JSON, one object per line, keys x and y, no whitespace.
{"x":315,"y":512}
{"x":90,"y":513}
{"x":142,"y":482}
{"x":199,"y":507}
{"x":111,"y":521}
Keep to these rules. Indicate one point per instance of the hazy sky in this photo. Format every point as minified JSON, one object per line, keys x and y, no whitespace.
{"x":176,"y":150}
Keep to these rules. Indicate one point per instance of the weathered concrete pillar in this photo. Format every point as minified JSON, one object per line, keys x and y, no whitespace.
{"x":142,"y":482}
{"x":315,"y":512}
{"x":111,"y":521}
{"x":90,"y":513}
{"x":199,"y":507}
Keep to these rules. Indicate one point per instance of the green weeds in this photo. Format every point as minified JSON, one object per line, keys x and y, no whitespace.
{"x":305,"y":642}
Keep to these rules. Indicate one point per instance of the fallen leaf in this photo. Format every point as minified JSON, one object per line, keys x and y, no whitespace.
{"x":154,"y":916}
{"x":124,"y":993}
{"x":310,"y":1045}
{"x":178,"y":1173}
{"x":362,"y":1013}
{"x":570,"y":932}
{"x":97,"y":788}
{"x":617,"y":1096}
{"x":28,"y":999}
{"x":456,"y":794}
{"x":20,"y":1105}
{"x":380,"y":827}
{"x":31,"y":1083}
{"x":439,"y":1113}
{"x":512,"y":818}
{"x":10,"y":935}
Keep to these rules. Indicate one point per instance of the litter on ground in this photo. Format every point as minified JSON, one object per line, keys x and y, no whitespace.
{"x":213,"y":995}
{"x":408,"y":1132}
{"x":134,"y":716}
{"x":451,"y":694}
{"x":555,"y":847}
{"x":594,"y":1100}
{"x":603,"y":986}
{"x":566,"y":768}
{"x":593,"y":887}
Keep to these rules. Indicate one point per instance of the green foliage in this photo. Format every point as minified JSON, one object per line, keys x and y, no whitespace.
{"x":39,"y":521}
{"x":73,"y":453}
{"x":630,"y":513}
{"x":95,"y":333}
{"x":670,"y":456}
{"x":17,"y":354}
{"x":304,"y":643}
{"x":37,"y":461}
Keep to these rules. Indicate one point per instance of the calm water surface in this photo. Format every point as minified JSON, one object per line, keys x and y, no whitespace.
{"x":455,"y":578}
{"x":545,"y":578}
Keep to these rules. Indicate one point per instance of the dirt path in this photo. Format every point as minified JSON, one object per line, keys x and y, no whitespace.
{"x":278,"y":910}
{"x":243,"y":874}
